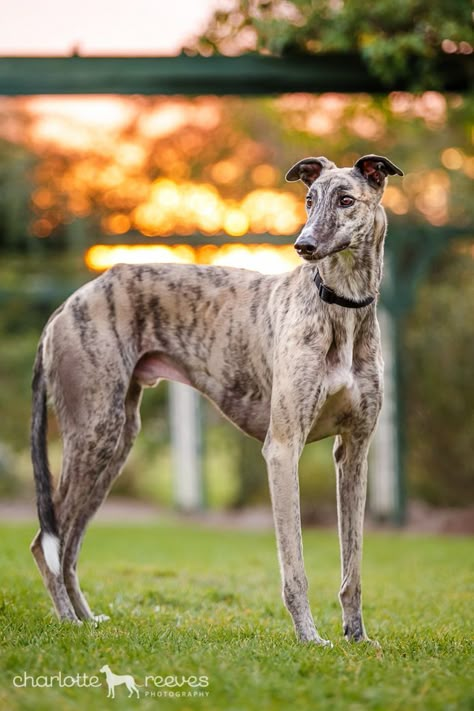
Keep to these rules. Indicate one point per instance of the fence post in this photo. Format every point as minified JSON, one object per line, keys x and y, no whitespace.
{"x":185,"y":423}
{"x":384,"y":465}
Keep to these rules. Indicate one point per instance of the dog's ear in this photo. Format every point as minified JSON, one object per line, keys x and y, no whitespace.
{"x":376,"y":168}
{"x":308,"y":170}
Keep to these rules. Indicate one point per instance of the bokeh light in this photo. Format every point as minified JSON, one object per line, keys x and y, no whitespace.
{"x":162,"y":167}
{"x":265,"y":258}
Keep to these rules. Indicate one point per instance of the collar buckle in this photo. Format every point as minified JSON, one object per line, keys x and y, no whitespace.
{"x":326,"y":294}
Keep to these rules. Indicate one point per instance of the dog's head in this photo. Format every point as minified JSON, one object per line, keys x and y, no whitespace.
{"x":341,"y":203}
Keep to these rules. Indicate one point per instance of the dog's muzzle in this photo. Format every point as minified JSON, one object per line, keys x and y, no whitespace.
{"x":309,"y":250}
{"x":305,"y":248}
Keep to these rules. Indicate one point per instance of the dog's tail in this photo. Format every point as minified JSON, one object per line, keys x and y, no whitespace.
{"x":39,"y":455}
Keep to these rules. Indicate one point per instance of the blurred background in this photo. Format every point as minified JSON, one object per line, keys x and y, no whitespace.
{"x":90,"y":180}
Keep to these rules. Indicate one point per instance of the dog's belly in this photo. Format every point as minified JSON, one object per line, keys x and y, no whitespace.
{"x":248,"y":410}
{"x":153,"y":367}
{"x":252,"y":417}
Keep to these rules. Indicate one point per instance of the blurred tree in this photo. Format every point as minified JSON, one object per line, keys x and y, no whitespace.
{"x":9,"y":484}
{"x":439,"y":383}
{"x":398,"y":40}
{"x":15,"y":189}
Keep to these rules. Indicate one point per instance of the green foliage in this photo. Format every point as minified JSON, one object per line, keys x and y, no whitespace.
{"x":241,"y":476}
{"x":397,"y":39}
{"x":439,"y":383}
{"x":15,"y":188}
{"x":9,"y":484}
{"x":185,"y":601}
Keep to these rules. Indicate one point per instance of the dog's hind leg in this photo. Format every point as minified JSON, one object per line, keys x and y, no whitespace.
{"x":88,"y":450}
{"x":54,"y":582}
{"x":85,"y":507}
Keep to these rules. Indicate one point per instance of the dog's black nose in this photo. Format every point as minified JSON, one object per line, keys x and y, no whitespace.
{"x":305,"y":248}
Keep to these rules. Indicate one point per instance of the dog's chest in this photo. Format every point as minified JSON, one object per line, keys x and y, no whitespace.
{"x":339,"y":375}
{"x":340,"y":387}
{"x":340,"y":357}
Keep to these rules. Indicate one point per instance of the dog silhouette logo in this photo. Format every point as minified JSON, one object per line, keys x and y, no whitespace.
{"x":114,"y":680}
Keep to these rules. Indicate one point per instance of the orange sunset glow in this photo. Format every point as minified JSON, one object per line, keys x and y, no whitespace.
{"x":113,"y":174}
{"x":265,"y":258}
{"x":173,"y":167}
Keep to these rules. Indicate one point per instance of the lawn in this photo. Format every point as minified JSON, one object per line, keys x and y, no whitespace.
{"x":192,"y":602}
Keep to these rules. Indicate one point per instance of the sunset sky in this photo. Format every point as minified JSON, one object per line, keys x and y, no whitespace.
{"x":155,"y":27}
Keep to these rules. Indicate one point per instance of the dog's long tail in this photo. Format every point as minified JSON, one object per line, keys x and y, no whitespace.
{"x":39,"y":455}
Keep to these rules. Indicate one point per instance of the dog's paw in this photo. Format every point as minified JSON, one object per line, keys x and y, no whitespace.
{"x":323,"y":642}
{"x":372,"y":646}
{"x":355,"y":632}
{"x":376,"y":646}
{"x":359,"y":635}
{"x":98,"y":619}
{"x":315,"y":639}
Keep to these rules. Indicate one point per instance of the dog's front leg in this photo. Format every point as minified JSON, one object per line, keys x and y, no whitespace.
{"x":282,"y":449}
{"x":350,"y":458}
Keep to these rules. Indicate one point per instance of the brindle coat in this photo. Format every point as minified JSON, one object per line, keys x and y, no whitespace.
{"x":281,"y":364}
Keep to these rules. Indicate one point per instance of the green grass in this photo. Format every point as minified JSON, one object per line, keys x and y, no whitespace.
{"x":189,"y":601}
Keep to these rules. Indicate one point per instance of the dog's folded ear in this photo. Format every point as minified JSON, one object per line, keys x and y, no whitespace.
{"x":376,"y":168}
{"x":308,"y":170}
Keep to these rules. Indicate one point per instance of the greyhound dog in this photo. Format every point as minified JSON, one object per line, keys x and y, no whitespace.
{"x":289,"y":359}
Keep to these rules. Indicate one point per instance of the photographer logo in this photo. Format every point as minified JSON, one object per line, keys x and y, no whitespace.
{"x":170,"y":686}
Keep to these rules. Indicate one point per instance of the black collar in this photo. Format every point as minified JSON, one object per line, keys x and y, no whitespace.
{"x":330,"y":297}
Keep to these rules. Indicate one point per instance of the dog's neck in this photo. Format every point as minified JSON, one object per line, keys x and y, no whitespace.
{"x":356,"y":272}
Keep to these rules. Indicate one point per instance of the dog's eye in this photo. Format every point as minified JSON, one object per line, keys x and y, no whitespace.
{"x":309,"y":201}
{"x":346,"y":201}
